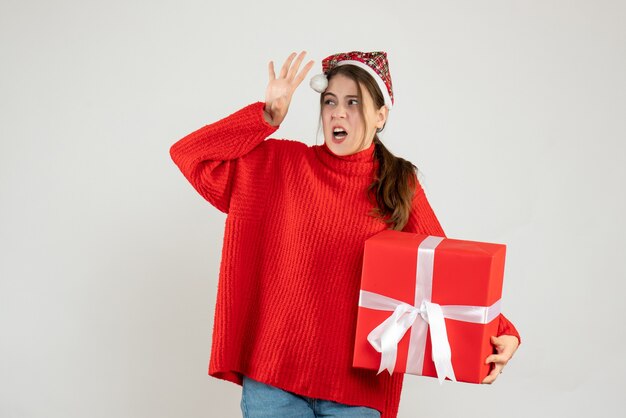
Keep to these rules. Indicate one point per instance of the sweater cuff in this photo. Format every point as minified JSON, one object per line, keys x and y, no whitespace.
{"x":506,"y":327}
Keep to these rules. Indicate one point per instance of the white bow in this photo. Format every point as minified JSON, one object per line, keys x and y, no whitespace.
{"x":386,"y":336}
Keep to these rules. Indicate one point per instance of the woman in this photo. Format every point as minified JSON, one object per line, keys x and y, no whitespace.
{"x":298,"y":217}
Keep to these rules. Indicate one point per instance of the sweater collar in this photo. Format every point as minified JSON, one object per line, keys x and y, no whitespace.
{"x":359,"y":163}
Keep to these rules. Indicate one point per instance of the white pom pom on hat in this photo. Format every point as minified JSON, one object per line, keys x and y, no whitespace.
{"x":319,"y":83}
{"x":375,"y":63}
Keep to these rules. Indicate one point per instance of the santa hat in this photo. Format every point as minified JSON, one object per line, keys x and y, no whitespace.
{"x":375,"y":63}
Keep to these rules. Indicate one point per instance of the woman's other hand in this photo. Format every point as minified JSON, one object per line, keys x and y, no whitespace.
{"x":505,"y":345}
{"x":280,"y":90}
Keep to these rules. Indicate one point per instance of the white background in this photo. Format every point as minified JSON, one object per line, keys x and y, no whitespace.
{"x":513,"y":110}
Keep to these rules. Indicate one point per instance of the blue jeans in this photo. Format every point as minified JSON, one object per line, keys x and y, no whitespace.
{"x":259,"y":400}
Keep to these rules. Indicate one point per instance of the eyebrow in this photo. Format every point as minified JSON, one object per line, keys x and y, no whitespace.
{"x":333,"y":94}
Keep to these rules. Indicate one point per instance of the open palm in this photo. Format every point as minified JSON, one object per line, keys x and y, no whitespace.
{"x":280,"y":89}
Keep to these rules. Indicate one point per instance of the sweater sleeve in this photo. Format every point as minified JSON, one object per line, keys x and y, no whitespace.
{"x":422,"y":220}
{"x":209,"y":156}
{"x":506,"y":327}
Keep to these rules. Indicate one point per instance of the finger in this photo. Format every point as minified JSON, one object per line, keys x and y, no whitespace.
{"x":493,"y":375}
{"x":271,"y":71}
{"x":497,"y":358}
{"x":489,"y":379}
{"x":286,"y":65}
{"x":296,"y":65}
{"x":304,"y":72}
{"x":497,"y":343}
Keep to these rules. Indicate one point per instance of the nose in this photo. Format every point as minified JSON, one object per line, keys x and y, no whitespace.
{"x":339,"y":112}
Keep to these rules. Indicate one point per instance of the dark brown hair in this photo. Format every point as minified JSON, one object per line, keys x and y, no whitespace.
{"x":395,"y":180}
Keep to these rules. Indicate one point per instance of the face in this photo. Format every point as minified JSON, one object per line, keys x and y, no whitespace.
{"x":344,"y":128}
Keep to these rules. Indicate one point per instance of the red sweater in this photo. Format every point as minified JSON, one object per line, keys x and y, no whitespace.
{"x":291,"y":259}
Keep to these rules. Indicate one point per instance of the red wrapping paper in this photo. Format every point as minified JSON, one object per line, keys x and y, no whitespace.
{"x":464,"y":273}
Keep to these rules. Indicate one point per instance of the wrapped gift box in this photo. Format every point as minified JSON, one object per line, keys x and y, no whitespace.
{"x":425,"y":274}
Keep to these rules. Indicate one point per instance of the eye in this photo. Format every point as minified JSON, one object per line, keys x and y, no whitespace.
{"x":328,"y":101}
{"x":353,"y":101}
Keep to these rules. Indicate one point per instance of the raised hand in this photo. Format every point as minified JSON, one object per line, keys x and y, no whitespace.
{"x":280,"y":90}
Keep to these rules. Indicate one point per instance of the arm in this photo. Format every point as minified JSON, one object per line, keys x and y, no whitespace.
{"x":209,"y":156}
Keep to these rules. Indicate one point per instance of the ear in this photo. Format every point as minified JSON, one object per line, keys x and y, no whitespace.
{"x":381,"y":116}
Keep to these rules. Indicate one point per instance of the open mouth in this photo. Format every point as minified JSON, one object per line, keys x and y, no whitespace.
{"x":339,"y":133}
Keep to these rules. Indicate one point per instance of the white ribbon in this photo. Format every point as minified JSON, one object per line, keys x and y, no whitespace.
{"x":386,"y":336}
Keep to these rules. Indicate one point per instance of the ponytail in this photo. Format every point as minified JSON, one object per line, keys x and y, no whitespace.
{"x":393,"y":188}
